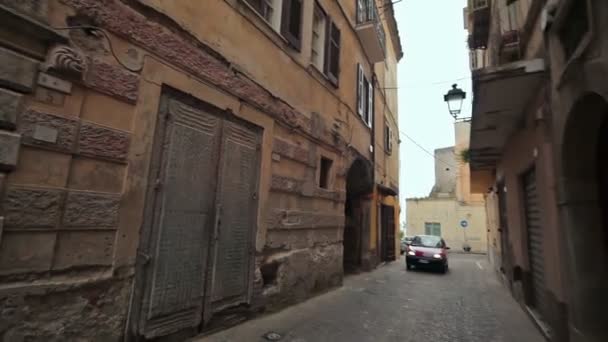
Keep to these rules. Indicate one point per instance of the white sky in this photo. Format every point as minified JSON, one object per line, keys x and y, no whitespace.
{"x":436,"y":55}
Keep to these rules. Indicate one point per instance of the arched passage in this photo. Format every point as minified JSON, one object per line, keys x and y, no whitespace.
{"x":584,"y":209}
{"x":359,"y":185}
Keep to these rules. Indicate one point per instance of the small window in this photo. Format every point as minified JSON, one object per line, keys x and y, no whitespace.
{"x":432,"y":228}
{"x":325,"y":172}
{"x":319,"y":27}
{"x":388,"y":138}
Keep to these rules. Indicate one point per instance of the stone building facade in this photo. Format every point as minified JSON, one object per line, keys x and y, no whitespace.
{"x":172,"y":167}
{"x":537,"y":147}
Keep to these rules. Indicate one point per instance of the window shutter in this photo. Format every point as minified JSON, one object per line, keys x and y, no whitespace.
{"x":370,"y":103}
{"x":390,"y":139}
{"x":332,"y":53}
{"x":257,"y":5}
{"x":360,"y":91}
{"x":370,"y":10}
{"x":360,"y":11}
{"x":291,"y":22}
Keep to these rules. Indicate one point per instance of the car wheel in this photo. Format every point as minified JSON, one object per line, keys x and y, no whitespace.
{"x":444,"y":269}
{"x":408,"y":267}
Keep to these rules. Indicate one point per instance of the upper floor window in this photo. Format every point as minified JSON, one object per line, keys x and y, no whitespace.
{"x":577,"y":25}
{"x":366,"y":11}
{"x":284,"y":16}
{"x":365,"y":96}
{"x":513,"y":13}
{"x":332,"y":52}
{"x":388,"y":138}
{"x":319,"y":27}
{"x":325,"y":172}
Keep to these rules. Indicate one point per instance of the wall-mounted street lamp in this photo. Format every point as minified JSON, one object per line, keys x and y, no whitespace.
{"x":454,"y":99}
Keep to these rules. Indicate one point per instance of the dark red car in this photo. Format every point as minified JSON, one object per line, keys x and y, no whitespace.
{"x":429,"y":251}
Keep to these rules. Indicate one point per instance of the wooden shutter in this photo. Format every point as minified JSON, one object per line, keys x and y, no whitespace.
{"x":360,"y":90}
{"x":360,"y":11}
{"x":180,"y":217}
{"x":370,"y":11}
{"x":390,"y":139}
{"x":370,"y":104}
{"x":332,"y":52}
{"x":257,"y":5}
{"x":291,"y":22}
{"x":237,"y":210}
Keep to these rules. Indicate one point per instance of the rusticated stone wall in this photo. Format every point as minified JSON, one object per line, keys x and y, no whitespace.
{"x":64,"y":144}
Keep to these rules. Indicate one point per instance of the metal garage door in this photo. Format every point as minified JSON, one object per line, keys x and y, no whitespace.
{"x":535,"y":241}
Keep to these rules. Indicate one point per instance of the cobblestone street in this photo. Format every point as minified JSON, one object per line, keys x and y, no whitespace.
{"x":468,"y":304}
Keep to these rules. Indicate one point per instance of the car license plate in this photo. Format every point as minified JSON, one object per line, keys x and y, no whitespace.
{"x":423,"y":261}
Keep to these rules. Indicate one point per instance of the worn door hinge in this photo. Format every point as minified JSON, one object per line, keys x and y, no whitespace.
{"x":145,"y":258}
{"x":158,"y":184}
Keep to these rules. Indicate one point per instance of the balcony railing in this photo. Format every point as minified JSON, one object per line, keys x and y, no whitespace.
{"x":510,"y":47}
{"x":480,"y":19}
{"x":370,"y":30}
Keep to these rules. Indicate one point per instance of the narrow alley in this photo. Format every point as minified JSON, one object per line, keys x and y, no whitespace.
{"x":391,"y":304}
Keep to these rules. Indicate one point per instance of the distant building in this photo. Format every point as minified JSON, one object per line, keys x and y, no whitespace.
{"x":450,"y":210}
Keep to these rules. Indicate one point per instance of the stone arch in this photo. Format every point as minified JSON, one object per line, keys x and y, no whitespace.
{"x":583,"y":205}
{"x":359,"y":185}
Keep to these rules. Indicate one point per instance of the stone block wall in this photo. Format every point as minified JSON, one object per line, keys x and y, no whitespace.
{"x":62,"y":171}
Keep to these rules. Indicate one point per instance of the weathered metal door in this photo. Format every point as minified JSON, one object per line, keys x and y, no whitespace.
{"x":180,"y":220}
{"x":535,"y":242}
{"x":237,"y":212}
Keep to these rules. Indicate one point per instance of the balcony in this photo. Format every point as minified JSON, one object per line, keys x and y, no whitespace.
{"x":510,"y":47}
{"x":370,"y":31}
{"x":480,"y":19}
{"x":500,"y":97}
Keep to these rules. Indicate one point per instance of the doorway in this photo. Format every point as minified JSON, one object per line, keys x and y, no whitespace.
{"x":196,"y":250}
{"x":387,"y":213}
{"x":356,"y":215}
{"x":583,"y":206}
